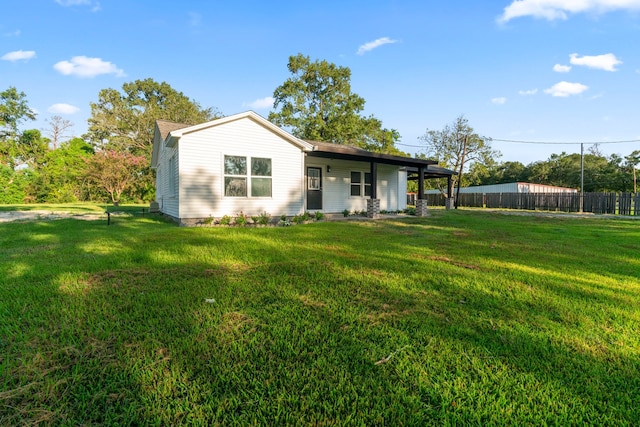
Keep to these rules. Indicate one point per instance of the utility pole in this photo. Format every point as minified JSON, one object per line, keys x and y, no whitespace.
{"x":464,"y":154}
{"x":581,"y":177}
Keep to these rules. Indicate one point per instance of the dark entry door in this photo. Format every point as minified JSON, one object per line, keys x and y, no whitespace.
{"x":314,"y":188}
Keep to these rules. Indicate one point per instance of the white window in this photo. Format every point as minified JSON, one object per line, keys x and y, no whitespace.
{"x":361,"y":184}
{"x":172,"y":173}
{"x":236,"y":175}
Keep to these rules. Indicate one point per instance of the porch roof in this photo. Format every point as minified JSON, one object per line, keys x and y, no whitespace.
{"x":431,"y":171}
{"x":347,"y":152}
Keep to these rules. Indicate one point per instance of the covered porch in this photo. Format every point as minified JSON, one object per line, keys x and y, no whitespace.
{"x":419,"y":169}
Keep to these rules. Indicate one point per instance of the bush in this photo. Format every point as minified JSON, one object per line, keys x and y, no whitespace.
{"x":264,"y":218}
{"x":346,"y":212}
{"x":319,"y":215}
{"x":225,"y":220}
{"x":410,"y":211}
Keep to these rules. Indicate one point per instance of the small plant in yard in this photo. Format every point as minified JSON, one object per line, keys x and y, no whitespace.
{"x":319,"y":216}
{"x":255,"y":219}
{"x":346,"y":213}
{"x":264,"y":218}
{"x":241,"y":219}
{"x":225,"y":220}
{"x":284,"y":221}
{"x":410,"y":211}
{"x":208,"y":221}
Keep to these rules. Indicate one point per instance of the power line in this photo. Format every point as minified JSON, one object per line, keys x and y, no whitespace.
{"x":565,"y":143}
{"x":542,"y":142}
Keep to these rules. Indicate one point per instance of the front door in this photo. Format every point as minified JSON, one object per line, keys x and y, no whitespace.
{"x":314,"y":188}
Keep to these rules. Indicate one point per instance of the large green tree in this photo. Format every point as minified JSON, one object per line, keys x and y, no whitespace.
{"x":457,"y":146}
{"x":62,"y":177}
{"x":124,"y":121}
{"x":316,"y":103}
{"x":14,"y":109}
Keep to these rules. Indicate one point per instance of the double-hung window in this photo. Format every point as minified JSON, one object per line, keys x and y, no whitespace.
{"x":360,"y":184}
{"x":238,"y":170}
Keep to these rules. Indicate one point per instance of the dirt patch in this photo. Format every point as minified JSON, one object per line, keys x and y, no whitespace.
{"x":47,"y":216}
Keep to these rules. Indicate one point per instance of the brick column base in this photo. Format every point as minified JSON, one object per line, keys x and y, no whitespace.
{"x":421,"y":208}
{"x":373,"y":208}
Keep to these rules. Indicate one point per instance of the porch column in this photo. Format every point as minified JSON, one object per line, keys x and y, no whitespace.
{"x":421,"y":202}
{"x":449,"y":203}
{"x":373,"y":203}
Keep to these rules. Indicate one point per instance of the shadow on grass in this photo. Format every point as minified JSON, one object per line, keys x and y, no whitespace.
{"x":144,"y":323}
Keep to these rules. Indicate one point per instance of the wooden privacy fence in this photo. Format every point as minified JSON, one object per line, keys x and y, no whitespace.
{"x":598,"y":203}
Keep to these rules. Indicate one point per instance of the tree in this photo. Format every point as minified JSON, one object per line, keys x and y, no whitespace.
{"x":457,"y":146}
{"x":114,"y":171}
{"x":57,"y":130}
{"x":61,"y":179}
{"x":125,"y":121}
{"x":31,"y":149}
{"x":316,"y":103}
{"x":14,"y":110}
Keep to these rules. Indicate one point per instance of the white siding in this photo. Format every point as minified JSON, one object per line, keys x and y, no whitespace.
{"x":167,"y":199}
{"x":201,"y":171}
{"x":337,"y":185}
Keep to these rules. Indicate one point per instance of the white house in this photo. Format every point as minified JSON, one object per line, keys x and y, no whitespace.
{"x":244,"y":163}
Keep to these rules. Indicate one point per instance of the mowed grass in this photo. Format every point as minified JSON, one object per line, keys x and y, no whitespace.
{"x":460,"y":318}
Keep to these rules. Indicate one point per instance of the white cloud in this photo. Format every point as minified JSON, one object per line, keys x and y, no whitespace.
{"x":565,"y":89}
{"x":15,"y":33}
{"x":560,"y":9}
{"x":83,"y":66}
{"x":561,"y":68}
{"x":19,"y":55}
{"x":63,"y":109}
{"x":499,"y":101}
{"x":260,"y":104}
{"x":374,"y":44}
{"x":95,"y":6}
{"x":528,"y":92}
{"x":606,"y":62}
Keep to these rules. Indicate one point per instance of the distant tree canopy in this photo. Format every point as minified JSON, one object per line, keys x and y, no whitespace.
{"x":601,"y":173}
{"x":316,"y":103}
{"x":125,"y":121}
{"x":458,"y":147}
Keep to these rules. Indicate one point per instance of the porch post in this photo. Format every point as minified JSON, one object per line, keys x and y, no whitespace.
{"x":373,"y":203}
{"x":421,"y":202}
{"x":449,"y":202}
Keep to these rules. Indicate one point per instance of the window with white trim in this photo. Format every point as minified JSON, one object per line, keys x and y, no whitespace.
{"x":237,"y":174}
{"x":360,"y":184}
{"x":173,"y":178}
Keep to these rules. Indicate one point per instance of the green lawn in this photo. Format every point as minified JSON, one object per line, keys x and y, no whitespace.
{"x":464,"y":317}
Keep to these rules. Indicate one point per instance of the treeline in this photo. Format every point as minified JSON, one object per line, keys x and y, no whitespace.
{"x":111,"y":162}
{"x":612,"y":173}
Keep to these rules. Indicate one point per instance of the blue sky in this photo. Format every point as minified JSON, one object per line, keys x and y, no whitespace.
{"x":525,"y":70}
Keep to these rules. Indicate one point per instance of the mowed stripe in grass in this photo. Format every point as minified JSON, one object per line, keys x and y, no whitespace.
{"x":462,"y":317}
